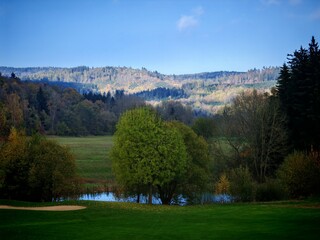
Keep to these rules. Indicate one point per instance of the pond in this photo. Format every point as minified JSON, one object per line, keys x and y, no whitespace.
{"x":179,"y":200}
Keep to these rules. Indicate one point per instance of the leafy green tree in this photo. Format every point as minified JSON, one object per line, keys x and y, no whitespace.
{"x":204,"y":127}
{"x":52,"y":170}
{"x":197,"y":176}
{"x":147,"y":153}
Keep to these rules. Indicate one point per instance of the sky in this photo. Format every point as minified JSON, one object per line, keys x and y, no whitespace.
{"x":168,"y":36}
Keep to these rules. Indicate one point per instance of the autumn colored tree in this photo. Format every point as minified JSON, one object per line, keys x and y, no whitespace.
{"x":14,"y":166}
{"x":35,"y":169}
{"x":300,"y":174}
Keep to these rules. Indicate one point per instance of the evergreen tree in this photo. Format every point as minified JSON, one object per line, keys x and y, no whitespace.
{"x":299,"y":93}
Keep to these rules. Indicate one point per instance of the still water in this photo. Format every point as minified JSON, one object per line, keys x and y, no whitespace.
{"x":110,"y":197}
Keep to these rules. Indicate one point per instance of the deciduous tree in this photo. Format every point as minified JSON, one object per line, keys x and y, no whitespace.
{"x":147,"y":153}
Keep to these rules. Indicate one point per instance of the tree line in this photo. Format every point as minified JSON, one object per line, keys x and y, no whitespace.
{"x":56,"y":110}
{"x":263,"y":146}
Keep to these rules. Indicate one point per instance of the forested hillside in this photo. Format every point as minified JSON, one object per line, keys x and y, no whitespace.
{"x":39,"y":107}
{"x":204,"y":92}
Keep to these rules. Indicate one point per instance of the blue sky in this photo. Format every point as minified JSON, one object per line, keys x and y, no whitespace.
{"x":170,"y":36}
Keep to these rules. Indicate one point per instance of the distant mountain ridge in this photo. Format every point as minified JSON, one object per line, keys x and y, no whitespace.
{"x":200,"y":90}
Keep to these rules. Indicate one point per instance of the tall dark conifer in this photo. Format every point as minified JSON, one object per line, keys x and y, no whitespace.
{"x":299,"y":94}
{"x":42,"y":104}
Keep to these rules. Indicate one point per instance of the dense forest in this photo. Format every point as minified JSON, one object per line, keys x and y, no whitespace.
{"x":44,"y":108}
{"x":204,"y":92}
{"x":61,"y":110}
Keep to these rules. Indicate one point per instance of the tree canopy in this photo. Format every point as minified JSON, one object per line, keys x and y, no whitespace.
{"x":147,"y":153}
{"x":35,"y":169}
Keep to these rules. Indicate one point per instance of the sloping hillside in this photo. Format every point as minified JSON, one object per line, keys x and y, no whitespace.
{"x":203,"y":91}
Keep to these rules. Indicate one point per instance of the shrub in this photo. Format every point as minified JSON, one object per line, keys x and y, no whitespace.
{"x":242,"y":186}
{"x":223,"y":185}
{"x":35,"y":169}
{"x":271,"y":190}
{"x":300,"y":174}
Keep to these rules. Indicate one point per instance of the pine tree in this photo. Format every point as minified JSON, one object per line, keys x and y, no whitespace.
{"x":299,"y":93}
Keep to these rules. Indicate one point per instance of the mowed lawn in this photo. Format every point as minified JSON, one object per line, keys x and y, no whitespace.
{"x":100,"y":220}
{"x":91,"y":154}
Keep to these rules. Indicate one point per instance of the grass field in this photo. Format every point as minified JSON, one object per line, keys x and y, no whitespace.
{"x":92,"y":157}
{"x":296,"y":220}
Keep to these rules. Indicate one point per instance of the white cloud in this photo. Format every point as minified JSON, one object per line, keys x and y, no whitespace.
{"x":198,"y":11}
{"x":187,"y":22}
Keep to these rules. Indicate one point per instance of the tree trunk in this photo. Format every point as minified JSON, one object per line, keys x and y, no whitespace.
{"x":138,"y":197}
{"x":150,"y":194}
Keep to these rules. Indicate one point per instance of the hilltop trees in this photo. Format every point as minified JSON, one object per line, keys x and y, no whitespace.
{"x":39,"y":107}
{"x":299,"y":93}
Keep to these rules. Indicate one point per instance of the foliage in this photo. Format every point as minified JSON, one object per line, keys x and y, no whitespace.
{"x":271,"y":190}
{"x":204,"y":127}
{"x":175,"y":111}
{"x":14,"y":166}
{"x":300,"y":174}
{"x":39,"y":107}
{"x":52,"y":171}
{"x":161,"y":93}
{"x":223,"y":185}
{"x":35,"y":169}
{"x":197,"y":176}
{"x":299,"y":93}
{"x":147,"y":152}
{"x":242,"y":186}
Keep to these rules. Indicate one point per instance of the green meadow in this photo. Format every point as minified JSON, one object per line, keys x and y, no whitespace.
{"x":106,"y":220}
{"x":91,"y":155}
{"x":289,"y":220}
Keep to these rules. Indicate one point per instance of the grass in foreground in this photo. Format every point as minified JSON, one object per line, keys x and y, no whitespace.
{"x":296,"y":220}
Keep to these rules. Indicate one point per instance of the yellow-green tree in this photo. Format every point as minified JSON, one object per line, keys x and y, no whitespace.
{"x":223,"y":185}
{"x":197,"y":176}
{"x":148,"y":153}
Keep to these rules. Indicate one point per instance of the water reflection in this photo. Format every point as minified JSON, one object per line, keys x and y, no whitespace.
{"x":111,"y":197}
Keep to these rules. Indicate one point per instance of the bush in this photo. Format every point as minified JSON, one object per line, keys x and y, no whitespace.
{"x":300,"y":174}
{"x":271,"y":190}
{"x":35,"y":169}
{"x":242,"y":186}
{"x":223,"y":185}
